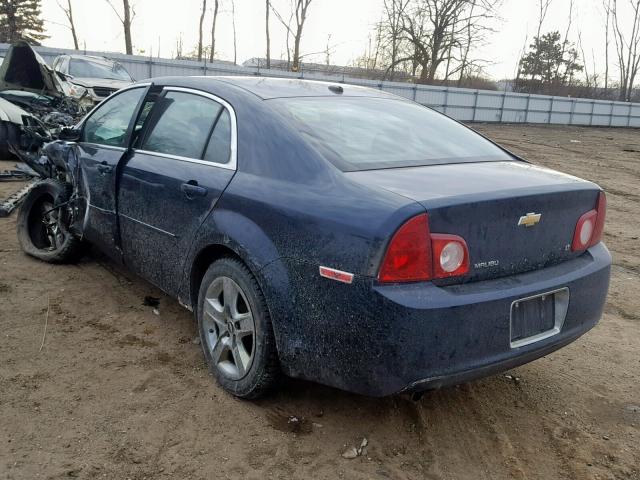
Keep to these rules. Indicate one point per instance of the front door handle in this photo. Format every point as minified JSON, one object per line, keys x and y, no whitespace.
{"x":104,"y":168}
{"x":191,"y":189}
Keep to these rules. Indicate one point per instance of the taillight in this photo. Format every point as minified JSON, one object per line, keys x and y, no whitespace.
{"x":450,"y":255}
{"x":415,"y":254}
{"x":408,"y":257}
{"x":590,"y":226}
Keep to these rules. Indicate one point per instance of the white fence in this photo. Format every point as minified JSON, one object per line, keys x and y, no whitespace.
{"x":463,"y":104}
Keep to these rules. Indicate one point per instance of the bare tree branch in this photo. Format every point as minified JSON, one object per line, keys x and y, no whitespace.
{"x":126,"y":19}
{"x":68,"y":11}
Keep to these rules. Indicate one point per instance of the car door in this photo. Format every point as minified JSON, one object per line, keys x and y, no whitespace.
{"x":183,"y":161}
{"x":104,"y":141}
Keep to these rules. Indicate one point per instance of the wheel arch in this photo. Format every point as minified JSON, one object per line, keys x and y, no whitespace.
{"x":201,"y":262}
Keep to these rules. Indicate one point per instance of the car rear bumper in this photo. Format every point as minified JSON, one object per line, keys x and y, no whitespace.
{"x":384,"y":339}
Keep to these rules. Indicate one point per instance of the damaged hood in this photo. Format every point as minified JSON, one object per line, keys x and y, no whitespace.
{"x":24,"y":69}
{"x":11,"y":113}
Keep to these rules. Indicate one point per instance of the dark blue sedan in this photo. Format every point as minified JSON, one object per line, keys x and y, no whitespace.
{"x":328,"y":232}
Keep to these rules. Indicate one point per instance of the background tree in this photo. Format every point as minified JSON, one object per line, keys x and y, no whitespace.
{"x":179,"y":47}
{"x":591,"y":80}
{"x":266,"y":23}
{"x":235,"y":38}
{"x":426,"y":34}
{"x":299,"y":12}
{"x":371,"y":55}
{"x":300,"y":15}
{"x":212,"y":52}
{"x":607,"y":10}
{"x":390,"y":31}
{"x":202,"y":14}
{"x":128,"y":14}
{"x":21,"y":20}
{"x":550,"y":63}
{"x":68,"y":12}
{"x":627,"y":46}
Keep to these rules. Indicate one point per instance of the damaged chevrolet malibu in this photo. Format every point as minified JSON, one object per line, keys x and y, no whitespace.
{"x":327,"y":232}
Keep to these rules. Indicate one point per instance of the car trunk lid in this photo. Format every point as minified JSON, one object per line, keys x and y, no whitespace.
{"x":514,"y":216}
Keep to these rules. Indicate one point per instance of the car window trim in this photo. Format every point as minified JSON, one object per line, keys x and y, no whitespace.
{"x":93,"y":110}
{"x":232,"y":164}
{"x":106,"y":147}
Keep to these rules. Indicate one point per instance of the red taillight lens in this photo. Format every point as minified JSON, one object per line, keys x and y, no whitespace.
{"x":450,"y":255}
{"x":414,"y":254}
{"x":590,"y":226}
{"x":408,"y":256}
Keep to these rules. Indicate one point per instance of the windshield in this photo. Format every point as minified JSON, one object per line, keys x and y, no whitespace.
{"x":367,"y":133}
{"x":88,"y":69}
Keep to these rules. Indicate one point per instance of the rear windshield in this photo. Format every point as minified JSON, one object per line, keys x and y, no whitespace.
{"x":363,"y":133}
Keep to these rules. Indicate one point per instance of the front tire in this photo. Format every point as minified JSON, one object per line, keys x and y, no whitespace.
{"x":235,"y":330}
{"x":43,"y":224}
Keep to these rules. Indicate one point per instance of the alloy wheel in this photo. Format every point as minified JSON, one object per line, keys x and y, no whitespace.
{"x":229,"y":328}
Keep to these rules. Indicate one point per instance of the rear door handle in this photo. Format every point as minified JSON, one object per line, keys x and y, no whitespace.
{"x":191,"y":189}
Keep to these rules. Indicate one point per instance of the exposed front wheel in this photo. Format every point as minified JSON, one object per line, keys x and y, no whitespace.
{"x":235,"y":330}
{"x":43,"y":222}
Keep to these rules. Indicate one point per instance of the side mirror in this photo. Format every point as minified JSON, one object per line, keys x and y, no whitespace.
{"x":69,"y":134}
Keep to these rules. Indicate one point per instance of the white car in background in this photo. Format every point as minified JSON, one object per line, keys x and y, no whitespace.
{"x":91,"y":76}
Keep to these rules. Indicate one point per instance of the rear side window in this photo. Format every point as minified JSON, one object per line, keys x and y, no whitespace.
{"x":219,"y":148}
{"x":366,"y":133}
{"x":181,"y":124}
{"x":109,"y":123}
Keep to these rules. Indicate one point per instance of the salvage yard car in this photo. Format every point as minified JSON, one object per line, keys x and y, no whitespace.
{"x":330,"y":232}
{"x":95,"y":77}
{"x":34,"y":102}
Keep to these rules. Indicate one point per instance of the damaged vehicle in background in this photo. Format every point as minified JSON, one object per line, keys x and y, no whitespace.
{"x":19,"y":130}
{"x":95,"y":77}
{"x":35,"y":102}
{"x":330,"y":232}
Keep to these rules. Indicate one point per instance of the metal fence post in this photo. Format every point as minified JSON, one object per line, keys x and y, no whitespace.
{"x":613,"y":107}
{"x":593,"y":107}
{"x":526,"y":109}
{"x":475,"y":105}
{"x":150,"y":67}
{"x":573,"y":109}
{"x":629,"y":116}
{"x":415,"y":92}
{"x":550,"y":111}
{"x":446,"y":100}
{"x":504,"y":97}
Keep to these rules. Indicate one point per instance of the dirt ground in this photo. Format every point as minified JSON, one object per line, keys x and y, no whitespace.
{"x":118,"y":391}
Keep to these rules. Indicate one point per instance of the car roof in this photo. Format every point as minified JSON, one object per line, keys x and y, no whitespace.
{"x":268,"y":88}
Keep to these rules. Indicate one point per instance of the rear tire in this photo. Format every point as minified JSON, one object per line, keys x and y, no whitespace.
{"x":235,"y":330}
{"x":43,"y":229}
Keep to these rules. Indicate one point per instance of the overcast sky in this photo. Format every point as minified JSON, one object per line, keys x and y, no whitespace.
{"x":159,"y":23}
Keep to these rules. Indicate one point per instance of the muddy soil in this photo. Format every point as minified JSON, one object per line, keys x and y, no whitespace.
{"x":118,"y":391}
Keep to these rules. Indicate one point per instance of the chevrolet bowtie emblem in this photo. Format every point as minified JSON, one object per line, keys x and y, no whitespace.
{"x":530,"y":219}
